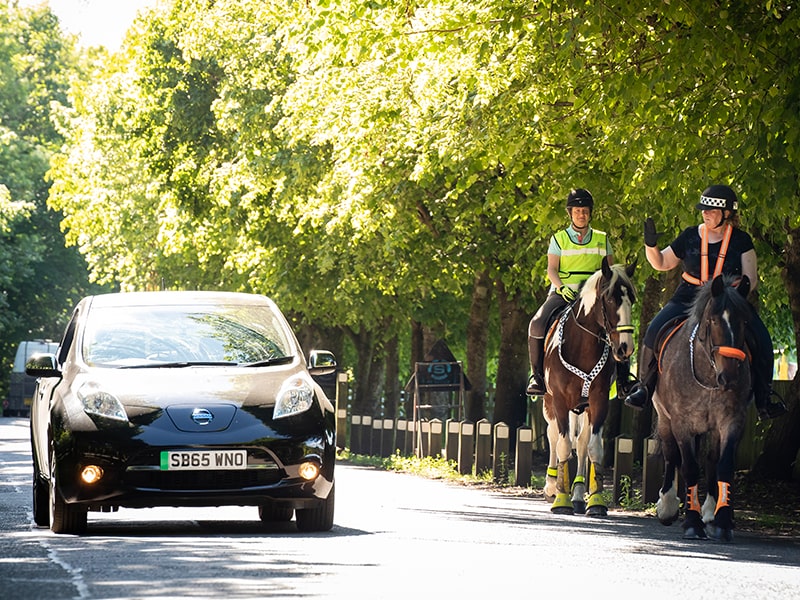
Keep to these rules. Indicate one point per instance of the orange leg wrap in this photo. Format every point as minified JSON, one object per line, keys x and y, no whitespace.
{"x":692,"y":499}
{"x":723,"y":495}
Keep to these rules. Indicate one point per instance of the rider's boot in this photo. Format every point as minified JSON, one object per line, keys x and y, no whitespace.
{"x":763,"y":400}
{"x":648,"y":375}
{"x":625,"y":382}
{"x":536,"y":382}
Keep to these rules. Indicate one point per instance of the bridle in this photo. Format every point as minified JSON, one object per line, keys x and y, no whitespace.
{"x":724,"y":351}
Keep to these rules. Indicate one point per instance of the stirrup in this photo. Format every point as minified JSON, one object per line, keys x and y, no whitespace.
{"x":634,"y":400}
{"x":626,"y":388}
{"x":772,"y":410}
{"x":535,"y":387}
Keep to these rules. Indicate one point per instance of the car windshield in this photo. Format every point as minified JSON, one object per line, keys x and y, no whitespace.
{"x":142,"y":336}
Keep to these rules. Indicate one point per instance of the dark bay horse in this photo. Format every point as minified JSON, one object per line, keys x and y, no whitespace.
{"x":704,"y":388}
{"x":580,"y":351}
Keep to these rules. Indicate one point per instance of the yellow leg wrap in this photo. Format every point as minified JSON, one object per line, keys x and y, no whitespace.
{"x":552,"y":472}
{"x":595,"y":484}
{"x":563,"y":480}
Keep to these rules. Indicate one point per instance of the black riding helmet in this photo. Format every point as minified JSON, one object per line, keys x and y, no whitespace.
{"x":580,"y":197}
{"x":720,"y":197}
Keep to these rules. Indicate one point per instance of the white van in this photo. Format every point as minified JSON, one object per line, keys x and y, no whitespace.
{"x":21,"y":386}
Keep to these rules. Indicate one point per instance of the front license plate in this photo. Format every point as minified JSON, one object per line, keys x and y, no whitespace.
{"x":203,"y":460}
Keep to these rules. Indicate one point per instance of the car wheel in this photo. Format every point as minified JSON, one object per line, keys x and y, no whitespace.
{"x":274,"y":512}
{"x":64,"y":518}
{"x":41,"y":499}
{"x":319,"y":518}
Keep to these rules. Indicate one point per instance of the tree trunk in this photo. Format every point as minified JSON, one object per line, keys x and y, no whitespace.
{"x":392,"y":383}
{"x":363,"y":403}
{"x":477,"y":341}
{"x":783,"y":437}
{"x":510,"y":404}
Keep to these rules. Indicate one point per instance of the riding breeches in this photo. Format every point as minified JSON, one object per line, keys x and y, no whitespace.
{"x":537,"y":328}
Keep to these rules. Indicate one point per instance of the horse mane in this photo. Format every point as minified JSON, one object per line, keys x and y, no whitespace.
{"x":617,"y":273}
{"x":729,"y":298}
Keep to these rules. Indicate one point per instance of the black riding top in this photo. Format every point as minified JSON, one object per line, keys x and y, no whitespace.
{"x":687,"y":247}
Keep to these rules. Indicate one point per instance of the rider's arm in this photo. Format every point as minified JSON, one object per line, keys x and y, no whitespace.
{"x":661,"y":260}
{"x":750,"y":267}
{"x":553,"y":262}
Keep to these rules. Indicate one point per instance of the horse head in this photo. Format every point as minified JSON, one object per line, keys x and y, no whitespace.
{"x":609,"y":294}
{"x":722,"y":312}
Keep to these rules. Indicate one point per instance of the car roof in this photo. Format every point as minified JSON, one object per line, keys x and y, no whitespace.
{"x":163,"y":298}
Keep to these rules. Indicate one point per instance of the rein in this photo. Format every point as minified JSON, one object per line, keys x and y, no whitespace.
{"x":726,"y":351}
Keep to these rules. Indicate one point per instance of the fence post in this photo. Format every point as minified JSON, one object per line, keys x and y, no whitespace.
{"x":341,"y":410}
{"x":451,"y":442}
{"x":411,"y":438}
{"x":355,"y":434}
{"x":435,"y":438}
{"x":501,"y":461}
{"x":466,"y":447}
{"x":523,"y":459}
{"x":623,"y":464}
{"x":366,"y":435}
{"x":652,"y":471}
{"x":400,"y":436}
{"x":424,"y":439}
{"x":483,"y":447}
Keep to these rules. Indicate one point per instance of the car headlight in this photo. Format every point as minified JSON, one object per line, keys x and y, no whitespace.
{"x":97,"y":401}
{"x":295,"y":396}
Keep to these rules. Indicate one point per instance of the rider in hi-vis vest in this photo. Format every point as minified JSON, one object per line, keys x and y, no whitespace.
{"x":574,"y":254}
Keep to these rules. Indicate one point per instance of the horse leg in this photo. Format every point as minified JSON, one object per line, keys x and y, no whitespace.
{"x":712,"y":458}
{"x":596,"y":506}
{"x":550,"y":490}
{"x":668,"y":505}
{"x":723,"y":511}
{"x":693,"y":526}
{"x":580,"y":427}
{"x":562,"y":503}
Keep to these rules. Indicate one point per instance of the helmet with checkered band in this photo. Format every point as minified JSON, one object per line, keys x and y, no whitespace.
{"x":718,"y":196}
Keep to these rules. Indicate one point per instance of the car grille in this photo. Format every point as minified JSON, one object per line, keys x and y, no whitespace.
{"x":201,"y":480}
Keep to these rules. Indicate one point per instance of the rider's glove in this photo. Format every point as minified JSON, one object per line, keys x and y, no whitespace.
{"x":650,"y":235}
{"x":567,"y":293}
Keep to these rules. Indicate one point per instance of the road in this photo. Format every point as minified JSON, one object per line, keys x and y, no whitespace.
{"x":396,"y":536}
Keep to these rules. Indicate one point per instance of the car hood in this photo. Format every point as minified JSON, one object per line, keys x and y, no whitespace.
{"x":160,"y":388}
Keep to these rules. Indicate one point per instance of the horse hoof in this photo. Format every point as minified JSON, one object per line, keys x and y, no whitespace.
{"x":579,"y":507}
{"x":597,"y":511}
{"x":562,"y":510}
{"x":721,"y":534}
{"x":695,"y":533}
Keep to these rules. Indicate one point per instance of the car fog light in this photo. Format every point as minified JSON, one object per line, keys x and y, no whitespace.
{"x":91,"y":474}
{"x":309,"y":470}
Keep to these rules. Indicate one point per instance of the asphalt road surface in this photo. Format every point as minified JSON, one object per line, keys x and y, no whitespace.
{"x":395,"y":536}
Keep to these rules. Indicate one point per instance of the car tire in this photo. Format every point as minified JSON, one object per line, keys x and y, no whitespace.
{"x":274,"y":512}
{"x":41,"y":499}
{"x":319,"y":518}
{"x":64,"y":518}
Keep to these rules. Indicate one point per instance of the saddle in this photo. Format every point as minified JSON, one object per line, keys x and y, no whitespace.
{"x":664,"y":335}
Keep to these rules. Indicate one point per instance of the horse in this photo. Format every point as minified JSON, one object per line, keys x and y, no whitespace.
{"x":703,"y":390}
{"x":578,"y":375}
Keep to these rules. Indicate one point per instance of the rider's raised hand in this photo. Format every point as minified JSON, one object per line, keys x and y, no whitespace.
{"x":650,"y":235}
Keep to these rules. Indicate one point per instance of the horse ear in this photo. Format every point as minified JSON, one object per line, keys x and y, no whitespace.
{"x":606,"y":268}
{"x":717,"y":286}
{"x":744,"y":286}
{"x":631,"y":268}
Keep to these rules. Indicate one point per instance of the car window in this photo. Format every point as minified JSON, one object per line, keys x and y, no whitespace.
{"x":128,"y":336}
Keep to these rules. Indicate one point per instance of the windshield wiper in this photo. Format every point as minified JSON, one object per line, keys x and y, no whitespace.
{"x":278,"y":360}
{"x":180,"y":364}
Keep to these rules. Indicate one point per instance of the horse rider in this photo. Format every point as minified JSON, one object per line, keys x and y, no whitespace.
{"x":574,"y":254}
{"x":704,"y":251}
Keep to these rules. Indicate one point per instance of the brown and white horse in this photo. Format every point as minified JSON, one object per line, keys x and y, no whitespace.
{"x":579,"y":366}
{"x":704,"y":388}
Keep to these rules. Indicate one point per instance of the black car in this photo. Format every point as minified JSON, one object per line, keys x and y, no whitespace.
{"x":181,"y":399}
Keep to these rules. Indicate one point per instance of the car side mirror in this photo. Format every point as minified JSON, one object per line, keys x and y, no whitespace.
{"x":321,"y":362}
{"x":42,"y":365}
